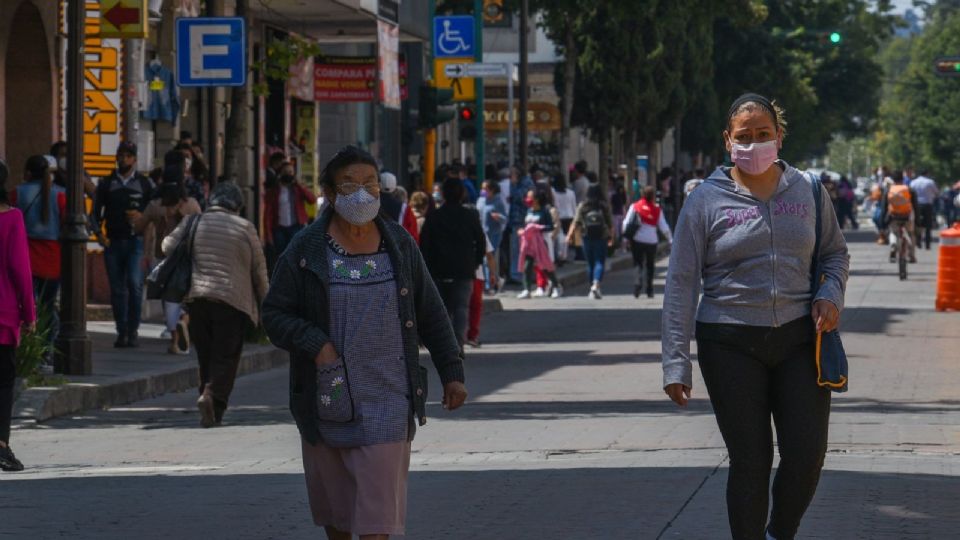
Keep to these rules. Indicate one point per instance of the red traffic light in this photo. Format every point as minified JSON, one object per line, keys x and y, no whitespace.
{"x":467,"y":114}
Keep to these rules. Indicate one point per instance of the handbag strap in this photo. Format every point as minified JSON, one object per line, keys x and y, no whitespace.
{"x":194,"y":224}
{"x":818,"y":228}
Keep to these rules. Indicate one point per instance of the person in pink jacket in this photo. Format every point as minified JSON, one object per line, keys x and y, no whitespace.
{"x":534,"y":252}
{"x":17,"y":311}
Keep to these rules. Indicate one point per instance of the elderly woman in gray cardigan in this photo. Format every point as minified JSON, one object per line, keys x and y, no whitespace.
{"x":227,"y":284}
{"x":351,"y":300}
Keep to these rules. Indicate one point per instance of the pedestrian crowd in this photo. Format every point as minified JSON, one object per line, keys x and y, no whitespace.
{"x":365,"y":273}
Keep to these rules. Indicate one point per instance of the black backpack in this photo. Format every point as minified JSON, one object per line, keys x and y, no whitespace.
{"x":593,"y":223}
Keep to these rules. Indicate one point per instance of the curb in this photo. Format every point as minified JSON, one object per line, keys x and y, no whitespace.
{"x":44,"y":403}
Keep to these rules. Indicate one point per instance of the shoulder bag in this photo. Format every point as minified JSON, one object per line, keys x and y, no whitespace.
{"x":831,"y":359}
{"x":170,"y":280}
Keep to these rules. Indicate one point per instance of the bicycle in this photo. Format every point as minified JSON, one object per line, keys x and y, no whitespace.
{"x":901,"y":241}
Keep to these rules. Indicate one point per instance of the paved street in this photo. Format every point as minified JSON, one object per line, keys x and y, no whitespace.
{"x":567,"y":435}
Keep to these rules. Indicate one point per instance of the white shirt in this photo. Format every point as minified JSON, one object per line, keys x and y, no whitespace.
{"x":647,"y":234}
{"x":285,"y":213}
{"x":566,"y":203}
{"x":489,"y":250}
{"x":505,"y":192}
{"x":926,"y":190}
{"x":580,"y":186}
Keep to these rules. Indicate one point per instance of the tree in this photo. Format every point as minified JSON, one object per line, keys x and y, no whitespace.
{"x":920,"y":125}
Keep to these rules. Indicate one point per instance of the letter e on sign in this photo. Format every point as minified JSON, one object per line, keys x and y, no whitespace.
{"x":211,"y":51}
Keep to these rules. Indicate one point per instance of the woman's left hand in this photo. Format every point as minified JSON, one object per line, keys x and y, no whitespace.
{"x":825,"y":315}
{"x":454,"y":395}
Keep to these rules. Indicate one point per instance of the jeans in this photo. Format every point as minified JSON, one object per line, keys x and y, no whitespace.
{"x":8,"y":375}
{"x":455,"y":294}
{"x":645,"y":259}
{"x":217,"y":331}
{"x":171,"y":314}
{"x":751,"y":374}
{"x":515,"y":273}
{"x":46,"y":291}
{"x":282,"y":237}
{"x":595,"y":250}
{"x":124,"y":259}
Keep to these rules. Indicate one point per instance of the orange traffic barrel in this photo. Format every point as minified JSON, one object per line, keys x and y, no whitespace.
{"x":948,"y":271}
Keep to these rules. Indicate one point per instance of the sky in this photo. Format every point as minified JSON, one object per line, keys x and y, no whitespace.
{"x":902,"y":5}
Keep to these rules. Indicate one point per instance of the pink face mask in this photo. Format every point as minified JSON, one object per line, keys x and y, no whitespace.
{"x":754,"y":158}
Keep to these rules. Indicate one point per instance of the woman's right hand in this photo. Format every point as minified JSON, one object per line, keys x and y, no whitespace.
{"x":29,"y":328}
{"x":327,"y":355}
{"x":679,"y":393}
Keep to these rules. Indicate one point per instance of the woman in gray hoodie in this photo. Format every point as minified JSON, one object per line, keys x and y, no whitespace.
{"x":745,"y":239}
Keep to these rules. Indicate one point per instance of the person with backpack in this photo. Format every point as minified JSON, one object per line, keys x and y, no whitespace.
{"x":899,"y":204}
{"x":594,"y":220}
{"x":640,"y":227}
{"x":44,"y":208}
{"x":119,"y":197}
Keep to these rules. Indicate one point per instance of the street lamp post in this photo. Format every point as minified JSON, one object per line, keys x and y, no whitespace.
{"x":73,"y":344}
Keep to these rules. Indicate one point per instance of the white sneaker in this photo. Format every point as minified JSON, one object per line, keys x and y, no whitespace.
{"x":539,"y":293}
{"x":524,"y":295}
{"x":596,"y":293}
{"x":165,"y":334}
{"x":557,"y":292}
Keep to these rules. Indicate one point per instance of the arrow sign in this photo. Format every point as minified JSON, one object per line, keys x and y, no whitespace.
{"x":455,"y":71}
{"x":125,"y":19}
{"x":120,"y":15}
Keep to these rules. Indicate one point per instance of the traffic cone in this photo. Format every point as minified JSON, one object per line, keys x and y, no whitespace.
{"x":948,"y":271}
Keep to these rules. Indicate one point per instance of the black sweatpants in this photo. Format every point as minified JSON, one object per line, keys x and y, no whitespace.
{"x":217,"y":332}
{"x":753,"y":373}
{"x":8,"y":375}
{"x":645,"y":259}
{"x":926,"y":218}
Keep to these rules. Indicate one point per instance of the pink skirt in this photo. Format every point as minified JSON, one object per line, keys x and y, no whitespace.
{"x":358,"y":490}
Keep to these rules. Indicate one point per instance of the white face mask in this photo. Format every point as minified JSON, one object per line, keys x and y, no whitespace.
{"x":62,"y":164}
{"x":187,"y":164}
{"x":358,"y":208}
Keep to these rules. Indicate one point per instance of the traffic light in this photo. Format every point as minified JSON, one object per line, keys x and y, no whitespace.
{"x":467,"y":114}
{"x":835,"y":38}
{"x":947,"y":66}
{"x":436,"y":106}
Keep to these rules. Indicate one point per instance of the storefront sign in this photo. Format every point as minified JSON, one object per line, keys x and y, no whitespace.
{"x":540,"y":117}
{"x":388,"y":41}
{"x":103,"y":92}
{"x":350,"y":78}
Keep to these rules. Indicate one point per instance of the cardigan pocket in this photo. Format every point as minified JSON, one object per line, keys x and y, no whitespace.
{"x":334,"y":398}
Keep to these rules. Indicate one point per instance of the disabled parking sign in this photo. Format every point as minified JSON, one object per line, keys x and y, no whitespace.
{"x":453,"y":36}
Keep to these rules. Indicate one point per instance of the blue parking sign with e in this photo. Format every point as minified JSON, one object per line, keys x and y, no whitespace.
{"x":211,"y":51}
{"x":453,"y":36}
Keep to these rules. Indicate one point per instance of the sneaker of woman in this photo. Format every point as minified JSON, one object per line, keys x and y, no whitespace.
{"x":539,"y":293}
{"x":595,"y":291}
{"x":557,"y":292}
{"x":8,"y":461}
{"x":524,"y":294}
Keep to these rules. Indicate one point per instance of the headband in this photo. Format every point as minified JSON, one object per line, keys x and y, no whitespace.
{"x":754,"y":98}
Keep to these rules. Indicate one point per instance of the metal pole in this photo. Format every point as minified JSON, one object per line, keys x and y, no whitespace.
{"x":73,"y":344}
{"x":524,"y":15}
{"x":510,"y":141}
{"x":479,"y":144}
{"x":212,"y":114}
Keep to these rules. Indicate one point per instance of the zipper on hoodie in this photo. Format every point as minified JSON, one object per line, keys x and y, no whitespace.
{"x":773,"y":257}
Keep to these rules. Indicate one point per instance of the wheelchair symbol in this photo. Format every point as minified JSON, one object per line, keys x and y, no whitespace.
{"x":450,"y":41}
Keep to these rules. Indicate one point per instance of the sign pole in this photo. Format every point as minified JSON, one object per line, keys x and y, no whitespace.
{"x":212,"y":113}
{"x":510,"y":141}
{"x":73,"y":343}
{"x":479,"y":145}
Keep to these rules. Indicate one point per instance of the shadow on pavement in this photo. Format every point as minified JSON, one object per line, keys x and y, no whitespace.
{"x":590,"y":503}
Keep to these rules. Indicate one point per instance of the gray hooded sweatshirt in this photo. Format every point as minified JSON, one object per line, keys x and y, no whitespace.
{"x":751,"y":260}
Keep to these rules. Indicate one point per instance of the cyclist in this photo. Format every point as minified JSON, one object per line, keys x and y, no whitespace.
{"x":899,"y":206}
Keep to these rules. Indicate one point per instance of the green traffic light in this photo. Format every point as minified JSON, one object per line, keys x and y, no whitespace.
{"x":835,"y":37}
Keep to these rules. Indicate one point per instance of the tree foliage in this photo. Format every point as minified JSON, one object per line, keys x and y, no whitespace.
{"x":920,"y":122}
